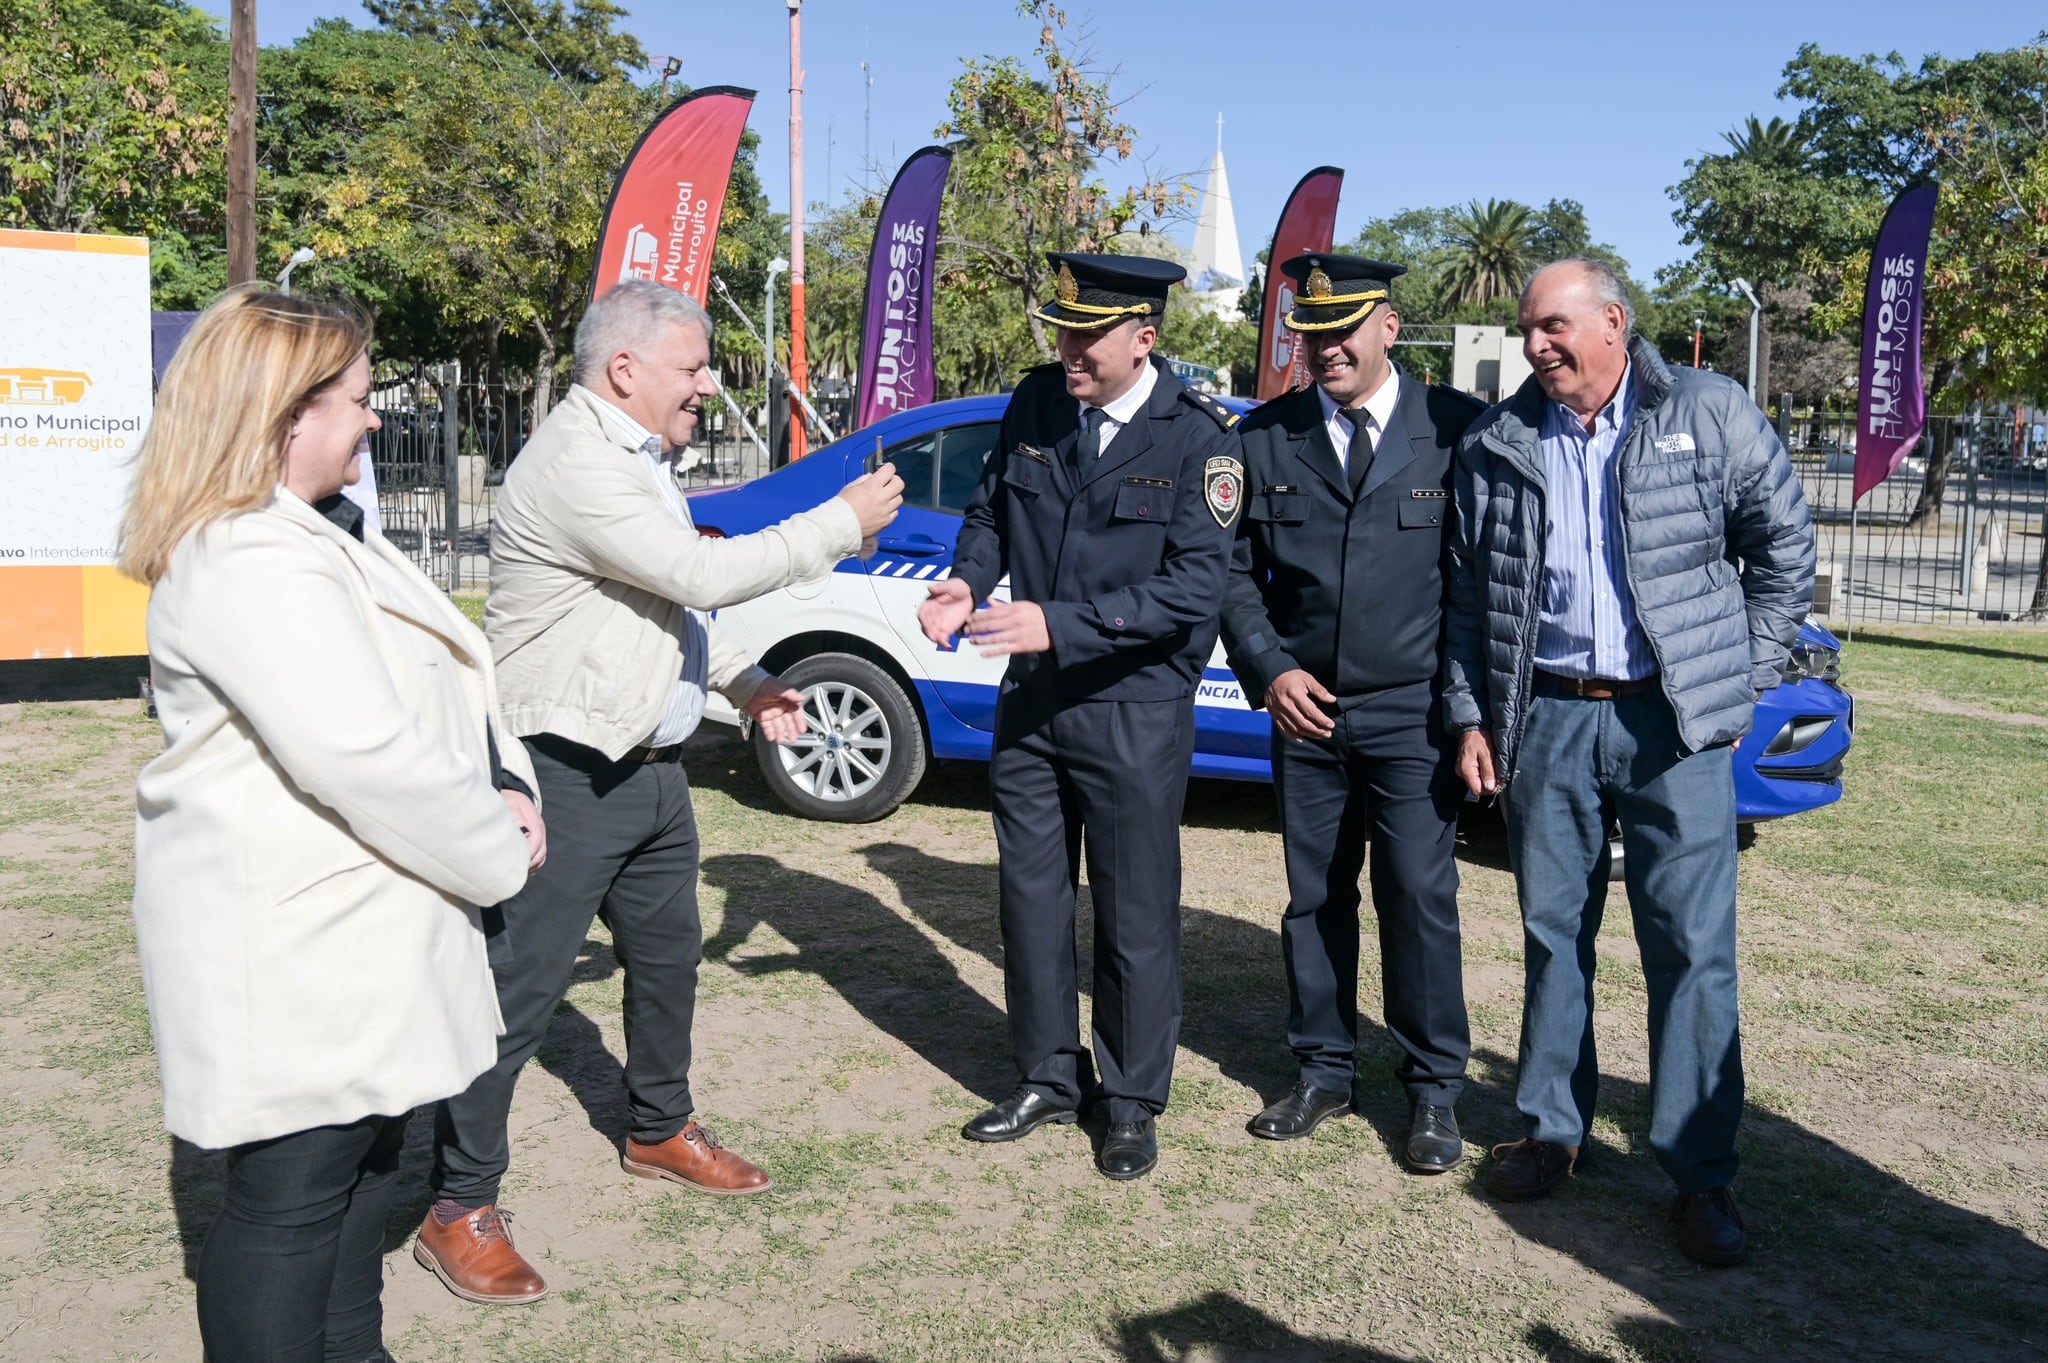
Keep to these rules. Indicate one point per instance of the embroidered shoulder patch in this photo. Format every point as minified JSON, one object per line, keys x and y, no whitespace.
{"x":1223,"y":488}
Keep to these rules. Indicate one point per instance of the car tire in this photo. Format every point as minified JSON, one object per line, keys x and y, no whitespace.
{"x":863,"y":751}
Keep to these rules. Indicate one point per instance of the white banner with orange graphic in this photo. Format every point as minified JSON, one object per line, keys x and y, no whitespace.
{"x":74,"y":398}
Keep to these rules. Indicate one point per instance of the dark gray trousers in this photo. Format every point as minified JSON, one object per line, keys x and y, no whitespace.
{"x":622,"y":844}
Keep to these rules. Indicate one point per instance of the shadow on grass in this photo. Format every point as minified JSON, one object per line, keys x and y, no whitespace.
{"x":1877,"y":638}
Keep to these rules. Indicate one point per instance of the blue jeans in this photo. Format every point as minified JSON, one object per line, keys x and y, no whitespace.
{"x":1677,"y":816}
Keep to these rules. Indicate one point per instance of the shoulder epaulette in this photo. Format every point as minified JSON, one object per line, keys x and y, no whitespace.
{"x":1209,"y":407}
{"x":1461,"y":395}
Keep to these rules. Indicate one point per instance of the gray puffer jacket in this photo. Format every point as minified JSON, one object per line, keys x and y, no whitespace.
{"x":1719,"y":550}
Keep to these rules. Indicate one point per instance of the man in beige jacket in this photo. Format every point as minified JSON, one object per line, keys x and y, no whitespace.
{"x":597,"y":618}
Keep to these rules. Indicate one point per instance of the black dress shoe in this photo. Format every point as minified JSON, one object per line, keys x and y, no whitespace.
{"x":1528,"y":1169}
{"x":1434,"y":1145}
{"x":1129,"y":1150}
{"x":1020,"y":1114}
{"x":1710,"y":1229}
{"x":1305,"y":1108}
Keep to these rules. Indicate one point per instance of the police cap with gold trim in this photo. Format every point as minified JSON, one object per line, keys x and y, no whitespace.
{"x":1099,"y":291}
{"x":1331,"y":292}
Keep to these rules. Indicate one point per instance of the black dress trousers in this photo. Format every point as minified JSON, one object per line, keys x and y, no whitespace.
{"x":1385,"y":774}
{"x":1118,"y":772}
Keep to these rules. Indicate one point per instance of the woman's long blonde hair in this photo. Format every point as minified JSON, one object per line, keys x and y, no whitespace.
{"x":216,"y":443}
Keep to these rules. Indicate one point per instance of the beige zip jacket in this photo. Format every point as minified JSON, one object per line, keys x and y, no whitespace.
{"x":591,"y":573}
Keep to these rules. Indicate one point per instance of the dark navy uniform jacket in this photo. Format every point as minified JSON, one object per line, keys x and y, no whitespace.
{"x":1350,"y":588}
{"x":1129,"y":566}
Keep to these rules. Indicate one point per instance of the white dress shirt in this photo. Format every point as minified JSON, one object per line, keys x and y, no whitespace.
{"x":685,"y":708}
{"x":1120,"y":413}
{"x":1379,"y":410}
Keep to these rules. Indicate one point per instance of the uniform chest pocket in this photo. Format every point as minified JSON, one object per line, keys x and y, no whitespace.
{"x":1148,"y":500}
{"x":1422,"y":513}
{"x":1281,"y":507}
{"x":1027,"y":475}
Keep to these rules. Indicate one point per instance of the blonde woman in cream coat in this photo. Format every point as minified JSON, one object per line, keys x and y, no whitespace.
{"x":331,"y":806}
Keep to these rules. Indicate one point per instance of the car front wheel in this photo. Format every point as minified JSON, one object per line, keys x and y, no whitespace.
{"x":862,"y":751}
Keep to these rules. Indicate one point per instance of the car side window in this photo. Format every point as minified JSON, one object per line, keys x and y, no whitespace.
{"x":917,"y":463}
{"x":962,"y":455}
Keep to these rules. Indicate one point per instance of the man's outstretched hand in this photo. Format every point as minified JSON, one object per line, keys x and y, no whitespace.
{"x":945,"y":609}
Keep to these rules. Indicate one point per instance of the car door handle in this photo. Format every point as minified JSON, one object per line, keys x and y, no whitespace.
{"x":910,"y":546}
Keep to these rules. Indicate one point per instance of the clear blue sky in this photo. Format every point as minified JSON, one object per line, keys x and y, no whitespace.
{"x":1422,"y":103}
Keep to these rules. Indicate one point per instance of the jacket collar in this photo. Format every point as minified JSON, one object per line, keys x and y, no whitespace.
{"x":1408,"y":435}
{"x":1135,"y":438}
{"x":1516,"y":430}
{"x":1308,"y":439}
{"x":424,"y":606}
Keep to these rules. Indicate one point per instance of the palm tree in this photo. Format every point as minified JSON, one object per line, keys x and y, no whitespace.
{"x":1489,"y":251}
{"x":1776,"y":143}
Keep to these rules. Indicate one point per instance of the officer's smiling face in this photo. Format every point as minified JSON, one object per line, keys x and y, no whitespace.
{"x":1351,"y":364}
{"x":1102,"y":365}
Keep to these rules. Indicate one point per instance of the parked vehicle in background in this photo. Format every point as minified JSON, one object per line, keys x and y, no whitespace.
{"x":883,"y":701}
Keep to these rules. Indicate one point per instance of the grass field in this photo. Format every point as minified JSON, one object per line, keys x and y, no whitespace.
{"x":1895,"y":1178}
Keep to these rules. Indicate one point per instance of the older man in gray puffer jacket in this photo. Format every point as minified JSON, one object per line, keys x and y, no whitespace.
{"x":1632,"y":558}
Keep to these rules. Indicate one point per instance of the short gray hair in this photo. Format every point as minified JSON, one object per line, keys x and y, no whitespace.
{"x":630,"y":316}
{"x":1608,"y":286}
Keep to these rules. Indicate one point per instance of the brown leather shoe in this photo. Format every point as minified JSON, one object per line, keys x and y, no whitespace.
{"x":475,"y":1260}
{"x":694,"y":1158}
{"x":1529,"y":1168}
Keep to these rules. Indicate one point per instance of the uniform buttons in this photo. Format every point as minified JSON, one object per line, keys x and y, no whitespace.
{"x":1119,"y":621}
{"x":1144,"y":511}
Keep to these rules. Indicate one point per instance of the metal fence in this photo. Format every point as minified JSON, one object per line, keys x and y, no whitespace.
{"x":442,"y":452}
{"x":1981,"y":558}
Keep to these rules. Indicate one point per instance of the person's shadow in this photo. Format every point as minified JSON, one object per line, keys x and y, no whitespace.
{"x":888,"y":970}
{"x":1233,"y":982}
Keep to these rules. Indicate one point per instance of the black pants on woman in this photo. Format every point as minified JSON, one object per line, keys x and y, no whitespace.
{"x":293,"y":1271}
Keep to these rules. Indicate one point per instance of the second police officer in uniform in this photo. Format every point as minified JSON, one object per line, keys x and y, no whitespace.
{"x":1334,"y":623}
{"x":1110,"y":501}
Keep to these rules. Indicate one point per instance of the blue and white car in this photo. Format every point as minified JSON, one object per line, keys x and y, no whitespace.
{"x":883,"y":700}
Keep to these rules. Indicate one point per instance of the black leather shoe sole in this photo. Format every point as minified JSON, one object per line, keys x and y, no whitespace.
{"x":1056,"y":1116}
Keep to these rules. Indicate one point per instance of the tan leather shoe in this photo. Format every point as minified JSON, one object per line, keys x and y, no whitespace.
{"x":475,"y":1260}
{"x":694,"y":1158}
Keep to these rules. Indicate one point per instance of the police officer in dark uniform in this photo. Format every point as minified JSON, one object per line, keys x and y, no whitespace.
{"x":1333,"y":622}
{"x":1110,"y":501}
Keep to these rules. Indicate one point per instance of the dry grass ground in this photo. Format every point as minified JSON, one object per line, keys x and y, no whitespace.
{"x":1895,"y":950}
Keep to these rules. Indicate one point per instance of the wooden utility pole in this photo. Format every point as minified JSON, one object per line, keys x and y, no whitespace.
{"x":242,"y":141}
{"x":799,"y":376}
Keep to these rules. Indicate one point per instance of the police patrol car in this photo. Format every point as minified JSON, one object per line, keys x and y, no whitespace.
{"x":881,"y":700}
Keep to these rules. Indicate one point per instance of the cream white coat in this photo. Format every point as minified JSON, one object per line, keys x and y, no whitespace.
{"x":312,"y":843}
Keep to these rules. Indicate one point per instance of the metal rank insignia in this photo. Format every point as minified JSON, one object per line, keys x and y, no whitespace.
{"x":1318,"y":285}
{"x":1069,"y":291}
{"x":1223,"y":488}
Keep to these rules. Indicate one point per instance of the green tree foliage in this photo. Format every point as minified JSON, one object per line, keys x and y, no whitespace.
{"x":576,"y":41}
{"x":103,"y":132}
{"x":1024,"y":175}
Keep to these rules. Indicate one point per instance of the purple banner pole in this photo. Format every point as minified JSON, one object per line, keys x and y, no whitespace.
{"x":1891,"y":406}
{"x":897,"y":371}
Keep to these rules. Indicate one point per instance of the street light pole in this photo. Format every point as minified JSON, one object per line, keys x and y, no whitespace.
{"x":304,"y":255}
{"x":775,"y":267}
{"x":1697,"y":324}
{"x":1756,"y":310}
{"x":799,"y":368}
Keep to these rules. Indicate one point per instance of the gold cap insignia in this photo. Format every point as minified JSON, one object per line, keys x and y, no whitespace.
{"x":1068,"y":289}
{"x":1318,"y":285}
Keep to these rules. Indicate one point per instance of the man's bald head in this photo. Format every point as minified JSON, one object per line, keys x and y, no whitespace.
{"x":1575,"y":319}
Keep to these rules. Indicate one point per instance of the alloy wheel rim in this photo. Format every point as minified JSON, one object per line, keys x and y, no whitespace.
{"x":845,"y":746}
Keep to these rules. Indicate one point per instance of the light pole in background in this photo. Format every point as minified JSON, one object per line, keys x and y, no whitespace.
{"x":303,"y":256}
{"x":799,"y":367}
{"x":241,"y":141}
{"x":777,"y":423}
{"x":775,"y":267}
{"x":1698,"y":323}
{"x":1756,"y":311}
{"x":671,"y":67}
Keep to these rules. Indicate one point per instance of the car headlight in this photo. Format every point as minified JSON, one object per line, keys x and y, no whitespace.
{"x":1815,"y":661}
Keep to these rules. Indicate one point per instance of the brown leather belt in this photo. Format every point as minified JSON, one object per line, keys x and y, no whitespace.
{"x":643,"y":753}
{"x":1591,"y":688}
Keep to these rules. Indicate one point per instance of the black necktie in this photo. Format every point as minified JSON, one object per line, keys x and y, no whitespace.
{"x":1088,"y":445}
{"x":1358,"y":458}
